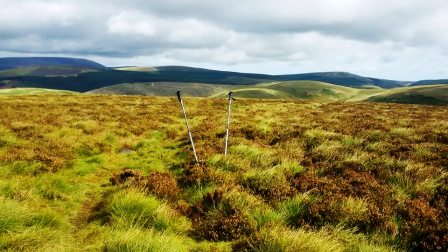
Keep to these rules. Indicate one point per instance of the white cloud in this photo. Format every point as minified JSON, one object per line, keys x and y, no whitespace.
{"x":132,"y":23}
{"x":29,"y":16}
{"x":193,"y":31}
{"x":172,"y":32}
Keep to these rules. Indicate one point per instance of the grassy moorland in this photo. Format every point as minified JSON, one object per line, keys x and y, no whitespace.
{"x":115,"y":173}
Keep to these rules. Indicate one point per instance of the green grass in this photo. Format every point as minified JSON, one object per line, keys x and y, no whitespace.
{"x":13,"y":217}
{"x":280,"y":239}
{"x":138,"y":240}
{"x":135,"y":209}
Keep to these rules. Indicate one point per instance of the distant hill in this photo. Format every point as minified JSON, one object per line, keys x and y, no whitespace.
{"x":288,"y":90}
{"x":303,"y":90}
{"x":83,"y":75}
{"x":89,"y":80}
{"x":430,"y":82}
{"x":16,"y":62}
{"x":164,"y":89}
{"x":46,"y":67}
{"x":430,"y":94}
{"x":191,"y":74}
{"x":344,"y":79}
{"x":226,"y":77}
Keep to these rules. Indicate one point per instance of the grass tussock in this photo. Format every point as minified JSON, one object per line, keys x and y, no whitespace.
{"x":135,"y":209}
{"x":135,"y":239}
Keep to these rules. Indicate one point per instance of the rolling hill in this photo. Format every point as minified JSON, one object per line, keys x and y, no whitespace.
{"x":83,"y":75}
{"x":225,"y":77}
{"x":304,"y":90}
{"x":430,"y":94}
{"x":296,"y":90}
{"x":430,"y":82}
{"x":16,"y":62}
{"x":164,"y":89}
{"x":344,"y":79}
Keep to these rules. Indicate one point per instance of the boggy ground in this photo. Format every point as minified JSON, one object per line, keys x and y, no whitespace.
{"x":115,"y":173}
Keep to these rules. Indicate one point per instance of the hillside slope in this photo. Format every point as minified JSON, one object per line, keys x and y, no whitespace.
{"x":45,"y":67}
{"x":301,"y":90}
{"x":304,"y":90}
{"x":226,"y":77}
{"x":430,"y":94}
{"x":430,"y":82}
{"x":344,"y":79}
{"x":164,"y":89}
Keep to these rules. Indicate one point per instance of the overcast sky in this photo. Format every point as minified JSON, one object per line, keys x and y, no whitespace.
{"x":396,"y":39}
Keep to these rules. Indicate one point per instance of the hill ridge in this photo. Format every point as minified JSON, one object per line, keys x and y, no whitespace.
{"x":82,"y":75}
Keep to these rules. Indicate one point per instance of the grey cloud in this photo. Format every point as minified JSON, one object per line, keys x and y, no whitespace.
{"x":371,"y":37}
{"x":364,"y":20}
